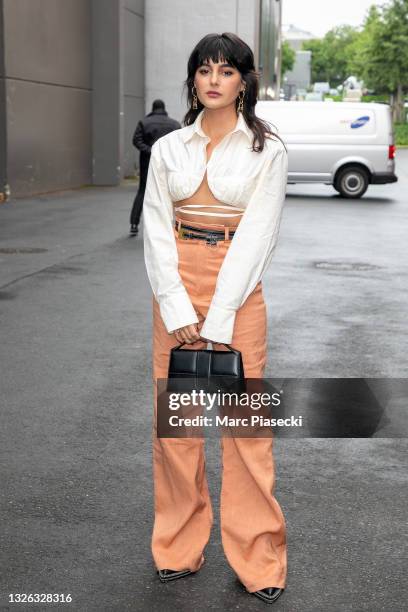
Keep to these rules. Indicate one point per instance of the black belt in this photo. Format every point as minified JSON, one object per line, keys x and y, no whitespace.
{"x":211,"y":236}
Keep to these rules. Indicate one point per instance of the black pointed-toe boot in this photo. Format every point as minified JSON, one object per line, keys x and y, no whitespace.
{"x":268,"y":594}
{"x":166,"y":575}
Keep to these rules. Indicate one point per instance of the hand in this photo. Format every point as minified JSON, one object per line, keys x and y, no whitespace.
{"x":188,"y":334}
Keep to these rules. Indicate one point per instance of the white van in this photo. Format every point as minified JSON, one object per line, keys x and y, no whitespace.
{"x":348,"y":145}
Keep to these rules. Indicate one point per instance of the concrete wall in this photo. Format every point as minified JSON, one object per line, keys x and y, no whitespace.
{"x":118,"y":87}
{"x":172,"y":29}
{"x":71,"y":92}
{"x":78,"y":75}
{"x":107,"y":82}
{"x":3,"y":115}
{"x":134,"y":79}
{"x":47,"y":63}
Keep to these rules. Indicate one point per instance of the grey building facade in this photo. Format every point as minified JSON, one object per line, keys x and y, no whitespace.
{"x":75,"y":78}
{"x":71,"y":90}
{"x":300,"y":76}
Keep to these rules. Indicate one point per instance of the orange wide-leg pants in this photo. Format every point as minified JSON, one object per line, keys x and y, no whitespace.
{"x":253,"y":527}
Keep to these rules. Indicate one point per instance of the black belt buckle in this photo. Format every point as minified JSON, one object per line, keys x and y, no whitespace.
{"x":184,"y":234}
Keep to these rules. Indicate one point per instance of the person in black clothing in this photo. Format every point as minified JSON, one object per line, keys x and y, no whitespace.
{"x":148,"y":130}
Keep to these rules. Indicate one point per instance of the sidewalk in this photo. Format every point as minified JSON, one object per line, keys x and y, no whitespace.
{"x":60,"y":225}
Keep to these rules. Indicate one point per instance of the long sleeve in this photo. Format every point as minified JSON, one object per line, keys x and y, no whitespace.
{"x":160,"y":249}
{"x":138,"y":139}
{"x":251,"y":249}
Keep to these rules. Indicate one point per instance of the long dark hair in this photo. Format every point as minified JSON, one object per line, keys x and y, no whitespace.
{"x":230,"y":48}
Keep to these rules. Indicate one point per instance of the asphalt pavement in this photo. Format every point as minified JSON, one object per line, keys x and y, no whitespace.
{"x":76,"y":395}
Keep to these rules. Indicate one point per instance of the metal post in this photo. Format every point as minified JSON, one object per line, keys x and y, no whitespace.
{"x":270,"y":49}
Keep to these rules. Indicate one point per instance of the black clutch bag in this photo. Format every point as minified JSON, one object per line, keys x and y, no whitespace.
{"x":207,"y":368}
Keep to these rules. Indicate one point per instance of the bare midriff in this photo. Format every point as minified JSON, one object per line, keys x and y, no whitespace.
{"x":205,"y":202}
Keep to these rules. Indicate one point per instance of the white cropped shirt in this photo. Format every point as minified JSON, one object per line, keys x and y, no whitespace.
{"x":255,"y":182}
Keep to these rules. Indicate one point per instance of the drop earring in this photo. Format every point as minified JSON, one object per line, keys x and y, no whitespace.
{"x":194,"y":97}
{"x":241,"y":101}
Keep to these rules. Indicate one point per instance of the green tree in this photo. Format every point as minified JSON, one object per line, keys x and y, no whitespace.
{"x":288,"y":58}
{"x":380,"y":56}
{"x":329,"y":54}
{"x":358,"y":51}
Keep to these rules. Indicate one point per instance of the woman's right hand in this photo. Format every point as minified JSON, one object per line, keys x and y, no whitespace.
{"x":188,"y":334}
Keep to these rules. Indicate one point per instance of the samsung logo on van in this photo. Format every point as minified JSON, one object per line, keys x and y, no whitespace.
{"x":357,"y":123}
{"x":360,"y":121}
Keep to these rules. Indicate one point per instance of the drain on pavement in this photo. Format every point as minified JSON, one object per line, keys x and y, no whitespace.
{"x":345,"y":265}
{"x":13,"y":250}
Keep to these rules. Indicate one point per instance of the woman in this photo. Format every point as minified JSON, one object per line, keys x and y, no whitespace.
{"x":205,"y":267}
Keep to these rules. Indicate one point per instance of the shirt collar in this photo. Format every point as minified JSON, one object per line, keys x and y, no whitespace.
{"x":195,"y":128}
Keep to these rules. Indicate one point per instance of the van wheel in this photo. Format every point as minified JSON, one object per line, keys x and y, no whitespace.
{"x":351,"y":182}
